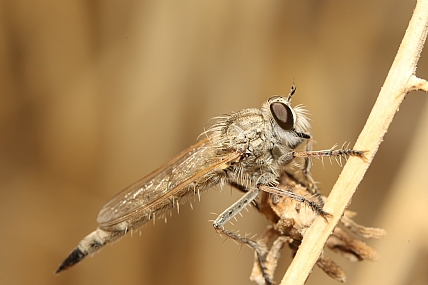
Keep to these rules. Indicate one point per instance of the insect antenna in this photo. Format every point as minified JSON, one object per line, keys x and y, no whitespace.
{"x":292,"y":91}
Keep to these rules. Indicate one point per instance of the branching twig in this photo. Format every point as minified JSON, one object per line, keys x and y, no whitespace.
{"x":401,"y":80}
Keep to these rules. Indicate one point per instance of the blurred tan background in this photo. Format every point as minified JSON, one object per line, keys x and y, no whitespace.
{"x":94,"y":95}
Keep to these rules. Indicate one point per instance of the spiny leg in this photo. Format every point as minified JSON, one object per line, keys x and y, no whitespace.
{"x":335,"y":153}
{"x":232,"y":211}
{"x":338,"y":154}
{"x":309,"y":153}
{"x":316,"y":207}
{"x":247,"y":199}
{"x":267,"y":183}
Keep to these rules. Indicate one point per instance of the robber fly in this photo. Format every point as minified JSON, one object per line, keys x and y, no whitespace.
{"x":247,"y":149}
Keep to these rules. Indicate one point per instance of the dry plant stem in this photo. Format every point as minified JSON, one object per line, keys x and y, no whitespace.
{"x":401,"y":79}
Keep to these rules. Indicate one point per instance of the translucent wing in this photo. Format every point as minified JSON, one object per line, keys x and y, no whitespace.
{"x":185,"y":175}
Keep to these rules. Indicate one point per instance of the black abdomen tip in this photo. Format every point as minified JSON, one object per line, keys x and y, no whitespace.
{"x":74,"y":257}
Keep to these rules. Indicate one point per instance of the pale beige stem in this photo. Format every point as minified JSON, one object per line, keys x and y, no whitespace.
{"x":418,"y":84}
{"x":401,"y":79}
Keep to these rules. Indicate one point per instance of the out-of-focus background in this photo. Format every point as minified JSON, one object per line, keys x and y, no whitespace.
{"x":94,"y":95}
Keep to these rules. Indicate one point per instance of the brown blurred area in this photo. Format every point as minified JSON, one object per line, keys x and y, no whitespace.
{"x":94,"y":95}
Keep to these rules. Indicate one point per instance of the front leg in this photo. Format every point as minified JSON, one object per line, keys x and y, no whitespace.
{"x":337,"y":154}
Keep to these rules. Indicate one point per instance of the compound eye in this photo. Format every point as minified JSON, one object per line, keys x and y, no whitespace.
{"x":283,"y":115}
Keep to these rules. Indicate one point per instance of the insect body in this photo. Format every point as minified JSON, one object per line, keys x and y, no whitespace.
{"x":247,"y":149}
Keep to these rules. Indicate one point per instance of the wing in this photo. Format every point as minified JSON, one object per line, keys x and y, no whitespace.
{"x":191,"y":171}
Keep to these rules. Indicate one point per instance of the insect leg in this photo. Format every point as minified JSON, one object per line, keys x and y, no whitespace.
{"x":316,"y":207}
{"x":331,"y":153}
{"x":228,"y":214}
{"x":339,"y":153}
